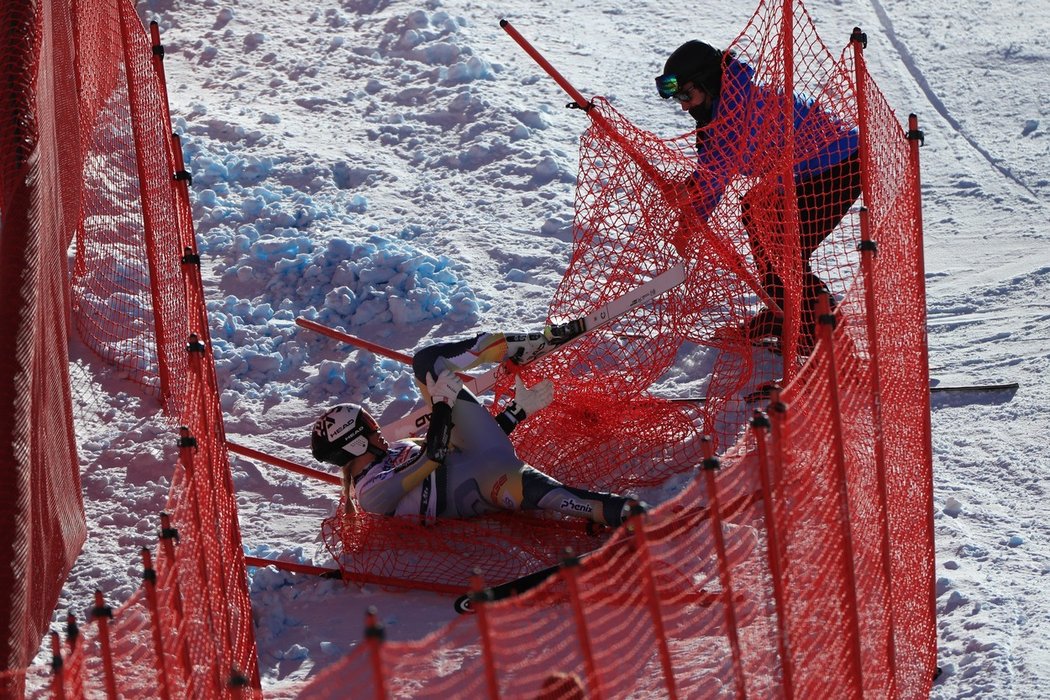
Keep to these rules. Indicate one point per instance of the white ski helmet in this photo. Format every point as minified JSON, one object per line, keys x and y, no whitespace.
{"x":341,"y":433}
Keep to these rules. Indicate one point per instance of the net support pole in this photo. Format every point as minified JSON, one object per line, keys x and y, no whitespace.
{"x":565,"y":85}
{"x":792,"y":303}
{"x":73,"y":670}
{"x":652,"y":597}
{"x":212,"y":484}
{"x":195,"y":486}
{"x":867,"y":266}
{"x":260,"y":456}
{"x":102,"y":614}
{"x":570,"y":570}
{"x":762,"y":426}
{"x":488,"y":659}
{"x":158,"y":62}
{"x":149,"y":227}
{"x":374,"y":635}
{"x":826,"y":325}
{"x":58,"y":681}
{"x":711,"y":465}
{"x":149,"y":582}
{"x":168,"y":537}
{"x":916,"y":139}
{"x":868,"y":248}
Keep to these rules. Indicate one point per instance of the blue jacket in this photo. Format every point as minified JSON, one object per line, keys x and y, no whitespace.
{"x":746,"y":137}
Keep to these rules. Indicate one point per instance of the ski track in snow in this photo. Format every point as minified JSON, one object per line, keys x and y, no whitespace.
{"x":910,"y":62}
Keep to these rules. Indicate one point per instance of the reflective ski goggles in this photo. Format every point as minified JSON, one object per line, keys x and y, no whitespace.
{"x":669,"y":85}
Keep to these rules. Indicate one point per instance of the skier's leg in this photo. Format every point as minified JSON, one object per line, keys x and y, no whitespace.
{"x":475,"y":483}
{"x":475,"y":430}
{"x":823,"y":202}
{"x":473,"y":427}
{"x":479,"y":482}
{"x":543,"y":492}
{"x":460,"y":355}
{"x":762,"y":219}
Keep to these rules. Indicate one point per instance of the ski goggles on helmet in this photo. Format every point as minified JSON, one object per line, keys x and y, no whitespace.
{"x":670,"y":85}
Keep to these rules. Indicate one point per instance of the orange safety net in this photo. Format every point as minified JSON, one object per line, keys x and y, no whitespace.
{"x":41,"y":511}
{"x":106,"y":168}
{"x":751,"y":245}
{"x":833,"y":595}
{"x":802,"y":567}
{"x":137,"y":241}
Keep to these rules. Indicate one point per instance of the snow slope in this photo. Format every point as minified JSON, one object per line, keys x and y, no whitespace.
{"x":346,"y":143}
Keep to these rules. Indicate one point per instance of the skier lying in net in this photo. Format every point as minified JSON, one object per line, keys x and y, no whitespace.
{"x":467,"y":465}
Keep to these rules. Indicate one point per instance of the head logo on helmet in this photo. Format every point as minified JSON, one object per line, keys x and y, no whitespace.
{"x":341,"y":433}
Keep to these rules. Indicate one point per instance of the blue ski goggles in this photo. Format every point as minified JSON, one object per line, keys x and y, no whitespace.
{"x":670,"y":85}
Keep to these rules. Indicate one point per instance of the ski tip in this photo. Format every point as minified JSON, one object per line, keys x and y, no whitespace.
{"x":677,"y":273}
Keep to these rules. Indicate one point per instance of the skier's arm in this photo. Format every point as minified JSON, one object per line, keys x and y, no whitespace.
{"x":728,"y":142}
{"x":526,"y":402}
{"x":383,"y":491}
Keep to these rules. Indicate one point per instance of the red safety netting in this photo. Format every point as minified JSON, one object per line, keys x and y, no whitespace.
{"x":802,"y":567}
{"x":643,"y":205}
{"x":833,"y":595}
{"x":99,"y":161}
{"x":41,"y":511}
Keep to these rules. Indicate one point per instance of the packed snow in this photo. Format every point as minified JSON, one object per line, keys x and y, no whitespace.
{"x":343,"y":146}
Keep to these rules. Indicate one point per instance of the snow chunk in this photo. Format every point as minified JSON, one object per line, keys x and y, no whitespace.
{"x":952,"y":507}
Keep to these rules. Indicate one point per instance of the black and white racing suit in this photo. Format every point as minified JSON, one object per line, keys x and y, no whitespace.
{"x":482,"y":473}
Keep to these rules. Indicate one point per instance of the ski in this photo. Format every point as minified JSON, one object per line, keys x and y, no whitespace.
{"x":764,"y":391}
{"x":564,"y":334}
{"x":1006,"y":386}
{"x":465,"y":604}
{"x":639,"y":296}
{"x":740,"y":542}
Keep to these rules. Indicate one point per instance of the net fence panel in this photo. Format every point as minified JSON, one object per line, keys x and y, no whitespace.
{"x":850,"y":506}
{"x":41,"y":511}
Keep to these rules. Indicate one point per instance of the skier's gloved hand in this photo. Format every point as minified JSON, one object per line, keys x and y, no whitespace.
{"x":535,"y":399}
{"x":444,"y":387}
